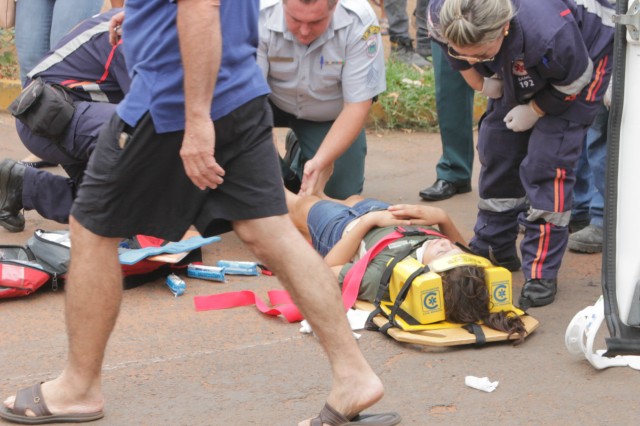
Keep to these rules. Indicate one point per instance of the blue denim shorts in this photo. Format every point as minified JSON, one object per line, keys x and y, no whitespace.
{"x":328,"y":219}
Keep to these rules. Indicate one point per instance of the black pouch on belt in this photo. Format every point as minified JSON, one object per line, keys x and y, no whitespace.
{"x":45,"y":109}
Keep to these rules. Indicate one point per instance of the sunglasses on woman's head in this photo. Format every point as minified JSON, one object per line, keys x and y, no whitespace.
{"x":460,"y":57}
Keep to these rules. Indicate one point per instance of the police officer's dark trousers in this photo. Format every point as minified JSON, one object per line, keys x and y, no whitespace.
{"x":454,"y":104}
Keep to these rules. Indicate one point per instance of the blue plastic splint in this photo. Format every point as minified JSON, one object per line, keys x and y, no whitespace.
{"x":130,"y":257}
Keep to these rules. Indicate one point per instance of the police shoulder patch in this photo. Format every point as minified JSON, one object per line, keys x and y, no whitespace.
{"x":373,"y":29}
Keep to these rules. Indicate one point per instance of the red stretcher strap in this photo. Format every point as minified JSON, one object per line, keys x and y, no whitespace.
{"x":353,"y":279}
{"x":281,"y":301}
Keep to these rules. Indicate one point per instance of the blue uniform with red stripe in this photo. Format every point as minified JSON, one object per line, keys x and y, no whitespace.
{"x":96,"y":76}
{"x":86,"y":63}
{"x":554,"y":49}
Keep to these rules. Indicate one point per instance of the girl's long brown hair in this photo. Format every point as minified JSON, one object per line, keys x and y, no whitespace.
{"x":467,"y":300}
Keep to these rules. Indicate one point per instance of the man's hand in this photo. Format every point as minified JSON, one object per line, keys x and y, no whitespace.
{"x":115,"y":28}
{"x":492,"y":88}
{"x":521,"y":118}
{"x":314,"y":178}
{"x":197,"y":154}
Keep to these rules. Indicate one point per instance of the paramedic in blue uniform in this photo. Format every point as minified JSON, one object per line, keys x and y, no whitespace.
{"x":174,"y":155}
{"x":323,"y":74}
{"x":545,"y":98}
{"x":95,"y":76}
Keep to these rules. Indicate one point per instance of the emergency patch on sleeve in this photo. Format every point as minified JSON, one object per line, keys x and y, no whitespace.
{"x":372,"y":30}
{"x":518,"y":68}
{"x":372,"y":46}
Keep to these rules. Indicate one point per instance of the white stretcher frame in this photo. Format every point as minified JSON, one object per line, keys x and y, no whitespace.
{"x":620,"y":303}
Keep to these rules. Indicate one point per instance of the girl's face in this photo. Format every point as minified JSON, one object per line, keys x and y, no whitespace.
{"x":437,"y":248}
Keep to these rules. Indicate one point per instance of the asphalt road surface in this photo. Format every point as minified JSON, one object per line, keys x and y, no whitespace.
{"x":167,"y":364}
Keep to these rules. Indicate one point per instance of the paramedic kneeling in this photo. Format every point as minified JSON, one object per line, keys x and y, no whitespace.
{"x":93,"y":74}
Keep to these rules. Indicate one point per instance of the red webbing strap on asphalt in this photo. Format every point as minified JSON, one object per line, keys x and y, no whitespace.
{"x":281,"y":301}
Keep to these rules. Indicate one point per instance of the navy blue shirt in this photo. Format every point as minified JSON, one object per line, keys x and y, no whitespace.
{"x":153,"y":55}
{"x":553,"y":51}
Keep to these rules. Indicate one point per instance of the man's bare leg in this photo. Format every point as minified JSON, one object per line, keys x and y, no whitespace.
{"x":315,"y":291}
{"x":93,"y":293}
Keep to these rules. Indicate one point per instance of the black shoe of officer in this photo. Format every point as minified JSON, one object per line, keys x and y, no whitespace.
{"x":292,"y":154}
{"x":292,"y":182}
{"x":291,"y":148}
{"x":11,"y":177}
{"x":442,"y":189}
{"x":537,"y":292}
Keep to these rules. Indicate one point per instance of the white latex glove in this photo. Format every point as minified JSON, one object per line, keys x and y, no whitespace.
{"x":492,"y":88}
{"x":607,"y":95}
{"x":521,"y":118}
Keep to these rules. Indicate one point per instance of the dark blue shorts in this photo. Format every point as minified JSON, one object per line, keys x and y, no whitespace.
{"x":328,"y":219}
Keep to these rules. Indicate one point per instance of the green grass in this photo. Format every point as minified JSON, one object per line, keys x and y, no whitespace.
{"x":409,"y":101}
{"x":8,"y":60}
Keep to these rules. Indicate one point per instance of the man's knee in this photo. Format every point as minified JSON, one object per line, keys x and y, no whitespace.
{"x":263,"y":233}
{"x":83,"y":237}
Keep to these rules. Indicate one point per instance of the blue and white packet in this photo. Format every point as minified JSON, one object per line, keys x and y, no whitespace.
{"x":232,"y":267}
{"x":176,"y":285}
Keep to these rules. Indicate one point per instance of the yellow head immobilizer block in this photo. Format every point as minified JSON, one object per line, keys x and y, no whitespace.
{"x":425,"y":298}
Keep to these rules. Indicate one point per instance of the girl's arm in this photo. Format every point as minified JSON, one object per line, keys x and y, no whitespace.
{"x":349,"y":244}
{"x":429,"y":216}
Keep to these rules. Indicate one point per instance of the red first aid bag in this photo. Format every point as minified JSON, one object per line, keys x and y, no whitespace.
{"x":20,"y":273}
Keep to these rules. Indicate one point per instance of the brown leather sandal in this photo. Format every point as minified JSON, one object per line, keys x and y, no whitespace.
{"x":31,"y":399}
{"x":329,"y":415}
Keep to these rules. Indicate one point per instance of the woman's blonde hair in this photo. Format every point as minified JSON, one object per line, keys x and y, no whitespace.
{"x":471,"y":22}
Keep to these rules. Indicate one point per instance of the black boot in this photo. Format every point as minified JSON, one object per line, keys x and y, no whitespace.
{"x":402,"y":51}
{"x":11,"y":178}
{"x":537,"y":292}
{"x":292,"y":154}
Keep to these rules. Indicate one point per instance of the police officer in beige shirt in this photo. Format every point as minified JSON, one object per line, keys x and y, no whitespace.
{"x":324,"y":62}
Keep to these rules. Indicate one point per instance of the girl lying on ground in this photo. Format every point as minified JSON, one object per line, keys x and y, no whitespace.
{"x":343,"y":230}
